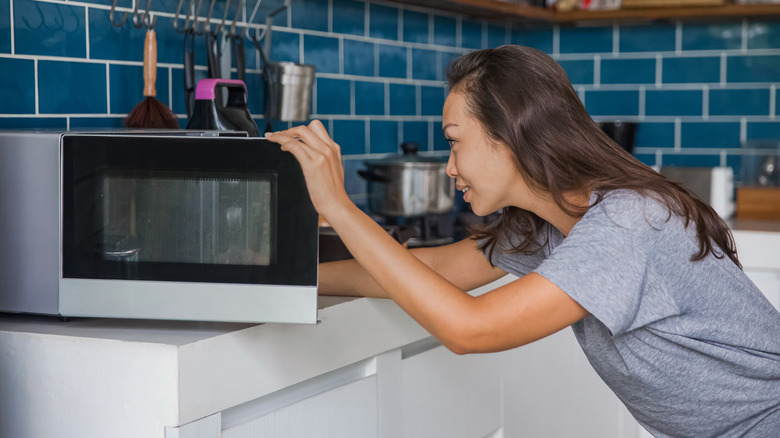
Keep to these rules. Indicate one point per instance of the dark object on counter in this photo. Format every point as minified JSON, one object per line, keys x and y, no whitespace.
{"x":209,"y":113}
{"x":333,"y":249}
{"x":151,"y":113}
{"x":623,"y":133}
{"x":409,"y":185}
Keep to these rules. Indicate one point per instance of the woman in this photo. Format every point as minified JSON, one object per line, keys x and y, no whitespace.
{"x":646,"y":274}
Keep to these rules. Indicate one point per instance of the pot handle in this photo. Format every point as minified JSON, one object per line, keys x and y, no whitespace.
{"x":410,"y":147}
{"x":373,"y":176}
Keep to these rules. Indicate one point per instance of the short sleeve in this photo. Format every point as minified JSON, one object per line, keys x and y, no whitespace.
{"x":600,"y":266}
{"x":521,"y":264}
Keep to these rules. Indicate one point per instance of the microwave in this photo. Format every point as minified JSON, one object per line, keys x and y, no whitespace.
{"x":181,"y":226}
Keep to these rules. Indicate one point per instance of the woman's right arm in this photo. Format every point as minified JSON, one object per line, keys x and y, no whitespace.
{"x":461,"y":263}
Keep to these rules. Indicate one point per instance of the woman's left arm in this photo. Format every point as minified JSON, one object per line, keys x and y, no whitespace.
{"x":515,"y":314}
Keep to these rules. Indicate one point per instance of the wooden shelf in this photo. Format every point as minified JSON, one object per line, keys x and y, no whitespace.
{"x":499,"y":10}
{"x":727,"y":11}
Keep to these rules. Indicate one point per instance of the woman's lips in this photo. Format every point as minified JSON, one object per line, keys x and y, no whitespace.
{"x":464,"y":189}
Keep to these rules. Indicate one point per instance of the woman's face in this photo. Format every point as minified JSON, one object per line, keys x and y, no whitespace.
{"x":483,"y":170}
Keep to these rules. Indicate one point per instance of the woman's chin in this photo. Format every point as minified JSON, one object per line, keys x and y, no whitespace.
{"x":482,"y":212}
{"x":478,"y":211}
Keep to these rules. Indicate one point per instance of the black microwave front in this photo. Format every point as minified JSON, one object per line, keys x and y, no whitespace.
{"x":158,"y":227}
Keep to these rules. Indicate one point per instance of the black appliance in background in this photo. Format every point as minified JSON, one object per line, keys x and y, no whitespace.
{"x":623,"y":133}
{"x":211,"y":113}
{"x":332,"y":248}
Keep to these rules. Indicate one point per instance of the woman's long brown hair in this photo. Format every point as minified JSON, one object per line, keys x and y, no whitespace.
{"x":523,"y":99}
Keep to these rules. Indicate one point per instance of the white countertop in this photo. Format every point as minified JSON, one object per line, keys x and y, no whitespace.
{"x":170,"y":372}
{"x":176,"y":333}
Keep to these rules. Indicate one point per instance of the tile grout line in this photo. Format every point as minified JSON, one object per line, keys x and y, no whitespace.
{"x":108,"y":90}
{"x":37,"y":91}
{"x":12,"y":26}
{"x":330,"y":16}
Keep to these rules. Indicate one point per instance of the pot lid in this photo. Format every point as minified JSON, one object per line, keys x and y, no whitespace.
{"x":408,"y":158}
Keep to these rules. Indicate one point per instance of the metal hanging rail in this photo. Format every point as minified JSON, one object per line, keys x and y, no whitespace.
{"x":187,"y":18}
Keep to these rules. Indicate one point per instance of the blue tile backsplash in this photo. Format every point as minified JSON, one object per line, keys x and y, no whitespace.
{"x":350,"y":17}
{"x":697,"y":90}
{"x":586,"y":40}
{"x":673,"y":102}
{"x":628,"y":71}
{"x":415,"y":27}
{"x":696,"y":70}
{"x":647,"y":38}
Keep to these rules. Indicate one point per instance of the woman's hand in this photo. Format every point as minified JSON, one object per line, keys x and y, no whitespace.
{"x":320,"y":159}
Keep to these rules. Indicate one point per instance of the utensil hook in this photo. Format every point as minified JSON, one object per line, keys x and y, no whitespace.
{"x":256,"y":39}
{"x":195,"y":18}
{"x":221,"y":27}
{"x":144,"y":18}
{"x":119,"y":23}
{"x":206,"y":26}
{"x":240,"y":8}
{"x":176,"y":17}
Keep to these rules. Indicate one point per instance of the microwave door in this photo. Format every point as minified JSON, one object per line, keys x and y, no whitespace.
{"x":162,"y":229}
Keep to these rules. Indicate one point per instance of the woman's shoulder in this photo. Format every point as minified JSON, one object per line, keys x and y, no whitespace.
{"x":629,"y":209}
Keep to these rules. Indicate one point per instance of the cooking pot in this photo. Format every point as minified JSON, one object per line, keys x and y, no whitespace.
{"x":408,"y":185}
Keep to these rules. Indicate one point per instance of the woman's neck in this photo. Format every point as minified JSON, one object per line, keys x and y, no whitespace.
{"x":557,"y":217}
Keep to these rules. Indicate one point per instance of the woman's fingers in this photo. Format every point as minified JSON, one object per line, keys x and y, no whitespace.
{"x":318,"y":140}
{"x":313,"y":139}
{"x":320,"y":159}
{"x":291,"y":144}
{"x":319,"y":129}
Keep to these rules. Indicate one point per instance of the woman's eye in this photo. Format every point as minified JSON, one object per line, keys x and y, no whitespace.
{"x":451,"y":142}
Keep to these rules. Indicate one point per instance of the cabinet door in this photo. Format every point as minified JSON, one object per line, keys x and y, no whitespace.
{"x":551,"y":390}
{"x":349,"y":411}
{"x":446,"y":395}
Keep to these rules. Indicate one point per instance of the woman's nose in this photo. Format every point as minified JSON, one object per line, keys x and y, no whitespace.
{"x":451,"y":170}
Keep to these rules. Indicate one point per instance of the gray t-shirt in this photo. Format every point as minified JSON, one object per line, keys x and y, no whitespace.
{"x":691,"y":348}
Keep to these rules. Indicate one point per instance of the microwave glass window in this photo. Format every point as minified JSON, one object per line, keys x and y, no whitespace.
{"x":177,"y":218}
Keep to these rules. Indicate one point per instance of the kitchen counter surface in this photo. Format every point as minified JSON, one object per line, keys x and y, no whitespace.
{"x":768,"y":226}
{"x":54,"y":374}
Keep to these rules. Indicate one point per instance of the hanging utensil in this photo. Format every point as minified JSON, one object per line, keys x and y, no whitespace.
{"x":212,"y":55}
{"x":237,"y":40}
{"x":151,"y":113}
{"x":240,"y":57}
{"x":189,"y":71}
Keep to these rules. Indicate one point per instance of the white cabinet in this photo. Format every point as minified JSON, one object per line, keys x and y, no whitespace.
{"x":349,"y":411}
{"x":550,"y":389}
{"x":446,"y":395}
{"x":419,"y":391}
